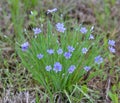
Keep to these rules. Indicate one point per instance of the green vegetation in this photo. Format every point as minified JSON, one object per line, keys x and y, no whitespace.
{"x":16,"y":79}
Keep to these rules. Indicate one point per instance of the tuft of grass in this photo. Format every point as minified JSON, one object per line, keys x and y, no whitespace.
{"x":11,"y":72}
{"x":17,"y":18}
{"x":30,"y":4}
{"x":62,"y":81}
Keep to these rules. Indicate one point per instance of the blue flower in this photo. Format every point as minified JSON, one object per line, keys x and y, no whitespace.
{"x":50,"y":51}
{"x":51,"y":11}
{"x":37,"y":31}
{"x":39,"y":56}
{"x":48,"y":67}
{"x":98,"y":59}
{"x":57,"y":67}
{"x":83,"y":30}
{"x":71,"y":69}
{"x":112,"y":50}
{"x":60,"y":51}
{"x":91,"y":37}
{"x":111,"y":42}
{"x":67,"y":55}
{"x":25,"y":46}
{"x":87,"y":68}
{"x":84,"y":50}
{"x":60,"y":27}
{"x":70,"y":48}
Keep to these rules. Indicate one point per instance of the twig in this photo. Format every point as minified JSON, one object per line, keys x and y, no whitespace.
{"x":108,"y":87}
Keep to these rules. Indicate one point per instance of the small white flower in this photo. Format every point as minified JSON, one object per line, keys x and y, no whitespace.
{"x":51,"y":11}
{"x":92,"y":28}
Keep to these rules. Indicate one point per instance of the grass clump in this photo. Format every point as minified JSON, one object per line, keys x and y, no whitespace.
{"x":60,"y":58}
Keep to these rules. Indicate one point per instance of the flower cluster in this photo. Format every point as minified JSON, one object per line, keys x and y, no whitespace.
{"x":67,"y":54}
{"x":70,"y":49}
{"x":111,"y":44}
{"x":58,"y":67}
{"x":60,"y":61}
